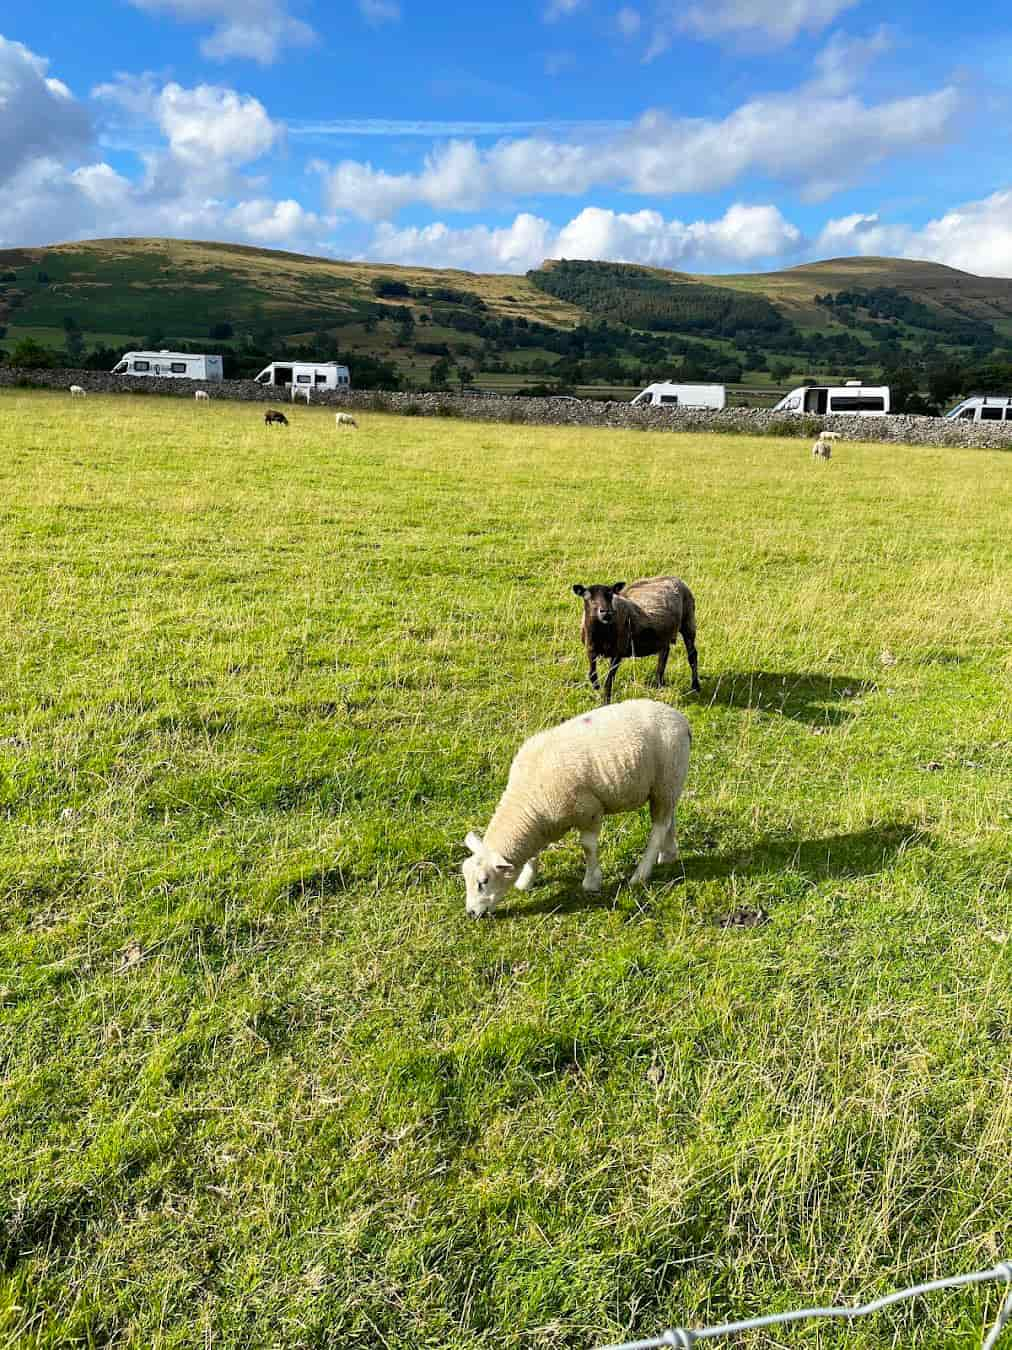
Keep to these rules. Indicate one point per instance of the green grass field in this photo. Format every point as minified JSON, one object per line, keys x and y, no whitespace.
{"x":263,"y":1083}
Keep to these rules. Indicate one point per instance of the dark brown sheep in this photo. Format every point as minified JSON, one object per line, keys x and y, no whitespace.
{"x":637,"y":620}
{"x":271,"y":416}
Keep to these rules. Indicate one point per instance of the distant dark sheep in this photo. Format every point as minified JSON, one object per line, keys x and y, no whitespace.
{"x":272,"y":416}
{"x":638,"y":620}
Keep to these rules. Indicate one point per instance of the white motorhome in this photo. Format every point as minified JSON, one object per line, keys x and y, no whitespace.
{"x":829,"y":400}
{"x":982,"y":408}
{"x":169,"y":365}
{"x":682,"y":396}
{"x":306,"y":375}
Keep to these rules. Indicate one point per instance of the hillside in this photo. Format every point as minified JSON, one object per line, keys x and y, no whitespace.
{"x":592,"y":325}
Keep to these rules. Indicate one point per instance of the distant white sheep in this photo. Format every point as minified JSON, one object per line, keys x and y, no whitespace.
{"x":601,"y":763}
{"x":77,"y":392}
{"x":820,"y":450}
{"x":201,"y":395}
{"x":345,"y":420}
{"x":829,"y":435}
{"x":300,"y":391}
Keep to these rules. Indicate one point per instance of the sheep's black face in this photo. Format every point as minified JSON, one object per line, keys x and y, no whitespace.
{"x":599,"y":601}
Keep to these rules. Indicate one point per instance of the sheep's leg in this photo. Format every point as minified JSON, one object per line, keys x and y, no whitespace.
{"x":595,"y":683}
{"x":662,"y":662}
{"x":669,"y":849}
{"x":528,"y":875}
{"x":658,"y":833}
{"x":592,"y":878}
{"x":689,"y":638}
{"x":610,"y":678}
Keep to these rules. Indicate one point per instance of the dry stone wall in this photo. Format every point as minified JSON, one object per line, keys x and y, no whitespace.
{"x":899,"y":429}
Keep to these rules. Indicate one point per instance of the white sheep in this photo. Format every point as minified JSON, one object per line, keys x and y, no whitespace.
{"x":829,"y":435}
{"x":201,"y":395}
{"x":76,"y":391}
{"x":345,"y":420}
{"x":820,"y":450}
{"x":570,"y":777}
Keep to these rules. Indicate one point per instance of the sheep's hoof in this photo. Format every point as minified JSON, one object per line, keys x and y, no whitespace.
{"x":667,"y":857}
{"x":638,"y":879}
{"x":592,"y":884}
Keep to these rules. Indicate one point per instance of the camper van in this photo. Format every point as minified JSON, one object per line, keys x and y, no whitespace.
{"x":169,"y":365}
{"x":829,"y":400}
{"x":306,"y":375}
{"x":982,"y":408}
{"x":681,"y":396}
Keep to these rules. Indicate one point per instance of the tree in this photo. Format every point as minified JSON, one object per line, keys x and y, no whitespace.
{"x":73,"y":345}
{"x":439,"y":375}
{"x":30,"y":355}
{"x":465,"y":376}
{"x":220,"y":330}
{"x":945,"y":381}
{"x":388,"y":289}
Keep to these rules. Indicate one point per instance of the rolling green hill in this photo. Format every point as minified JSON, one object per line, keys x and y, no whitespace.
{"x":591,"y":325}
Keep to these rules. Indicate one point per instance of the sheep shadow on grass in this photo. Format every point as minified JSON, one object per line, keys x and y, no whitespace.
{"x":859,"y":853}
{"x":803,"y":696}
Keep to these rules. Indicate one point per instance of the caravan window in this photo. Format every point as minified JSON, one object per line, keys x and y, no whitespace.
{"x":142,"y":365}
{"x":967,"y":415}
{"x":669,"y":398}
{"x":342,"y":379}
{"x":321,"y":377}
{"x":303,"y":379}
{"x":858,"y":403}
{"x":178,"y":367}
{"x":990,"y":414}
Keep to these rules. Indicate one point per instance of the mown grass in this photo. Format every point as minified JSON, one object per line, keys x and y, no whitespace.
{"x":265,"y":1085}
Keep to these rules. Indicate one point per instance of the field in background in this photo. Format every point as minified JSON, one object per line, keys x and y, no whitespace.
{"x":263,"y":1082}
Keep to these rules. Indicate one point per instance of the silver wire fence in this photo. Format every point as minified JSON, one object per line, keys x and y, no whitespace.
{"x":682,"y":1338}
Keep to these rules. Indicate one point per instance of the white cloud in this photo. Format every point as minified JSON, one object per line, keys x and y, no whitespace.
{"x":197,"y":144}
{"x":818,"y":141}
{"x":258,"y":30}
{"x":208,"y":133}
{"x":843,"y":61}
{"x":773,"y":21}
{"x":379,"y":11}
{"x":629,"y":21}
{"x":742,"y":234}
{"x":975,"y":237}
{"x":39,"y":116}
{"x":561,"y":9}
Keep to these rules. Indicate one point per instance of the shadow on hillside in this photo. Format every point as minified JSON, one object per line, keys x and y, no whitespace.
{"x":860,"y":853}
{"x":804,"y":696}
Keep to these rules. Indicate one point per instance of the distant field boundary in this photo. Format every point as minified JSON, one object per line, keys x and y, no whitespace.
{"x":901,"y":429}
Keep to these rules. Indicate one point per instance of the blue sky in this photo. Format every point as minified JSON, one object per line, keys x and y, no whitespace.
{"x":723,"y":135}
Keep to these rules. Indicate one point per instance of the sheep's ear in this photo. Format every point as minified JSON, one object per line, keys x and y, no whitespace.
{"x":619,"y":586}
{"x":472,"y":841}
{"x":500,"y":865}
{"x":579,"y":590}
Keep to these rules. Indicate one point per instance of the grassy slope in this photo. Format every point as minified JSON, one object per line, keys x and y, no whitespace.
{"x":793,"y":290}
{"x":127,"y":284}
{"x":117,"y":286}
{"x":264,"y":1084}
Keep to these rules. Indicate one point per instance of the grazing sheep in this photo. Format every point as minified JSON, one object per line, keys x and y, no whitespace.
{"x":300,"y":391}
{"x":645,"y":618}
{"x":829,"y":435}
{"x":820,"y":450}
{"x":201,"y":395}
{"x":270,"y":416}
{"x":569,"y":778}
{"x":345,"y":420}
{"x":77,"y":392}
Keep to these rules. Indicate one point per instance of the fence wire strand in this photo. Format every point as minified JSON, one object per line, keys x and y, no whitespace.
{"x":682,"y":1338}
